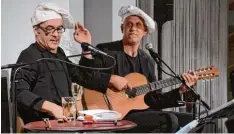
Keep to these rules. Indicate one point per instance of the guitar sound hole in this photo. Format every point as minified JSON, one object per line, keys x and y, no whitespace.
{"x":130,"y":93}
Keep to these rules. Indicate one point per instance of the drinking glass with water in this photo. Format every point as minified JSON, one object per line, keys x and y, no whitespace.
{"x":69,"y":107}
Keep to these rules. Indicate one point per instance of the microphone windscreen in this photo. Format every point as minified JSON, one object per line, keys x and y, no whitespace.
{"x":148,"y":46}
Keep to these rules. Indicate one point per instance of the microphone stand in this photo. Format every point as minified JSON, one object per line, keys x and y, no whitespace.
{"x":18,"y":66}
{"x":78,"y":55}
{"x":158,"y":59}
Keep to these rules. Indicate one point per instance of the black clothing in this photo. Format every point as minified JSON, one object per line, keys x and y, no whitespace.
{"x":229,"y":123}
{"x":45,"y":80}
{"x":125,"y":65}
{"x":132,"y":64}
{"x":152,"y":121}
{"x":232,"y":82}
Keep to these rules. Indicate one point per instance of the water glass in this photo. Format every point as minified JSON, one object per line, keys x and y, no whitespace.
{"x":69,"y":107}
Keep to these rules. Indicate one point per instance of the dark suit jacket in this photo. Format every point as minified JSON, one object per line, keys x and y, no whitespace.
{"x":154,"y":99}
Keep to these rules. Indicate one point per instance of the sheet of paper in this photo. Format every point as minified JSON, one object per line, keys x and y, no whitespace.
{"x":100,"y":114}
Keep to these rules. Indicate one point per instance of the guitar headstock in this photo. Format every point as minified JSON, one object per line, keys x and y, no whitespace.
{"x":207,"y":73}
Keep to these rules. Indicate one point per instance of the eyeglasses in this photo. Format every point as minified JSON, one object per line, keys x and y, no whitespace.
{"x":51,"y":29}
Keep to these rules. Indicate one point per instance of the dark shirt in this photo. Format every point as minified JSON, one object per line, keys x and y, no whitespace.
{"x":132,"y":64}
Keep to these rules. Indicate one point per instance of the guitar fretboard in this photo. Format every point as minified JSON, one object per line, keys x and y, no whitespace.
{"x":152,"y":86}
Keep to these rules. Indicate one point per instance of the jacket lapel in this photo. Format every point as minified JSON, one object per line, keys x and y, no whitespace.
{"x":119,"y":59}
{"x":119,"y":56}
{"x":143,"y":63}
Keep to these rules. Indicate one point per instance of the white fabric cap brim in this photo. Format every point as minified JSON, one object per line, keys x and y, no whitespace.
{"x":49,"y":11}
{"x":130,"y":10}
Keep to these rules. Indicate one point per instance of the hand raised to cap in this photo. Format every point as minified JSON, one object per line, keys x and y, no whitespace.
{"x":82,"y":34}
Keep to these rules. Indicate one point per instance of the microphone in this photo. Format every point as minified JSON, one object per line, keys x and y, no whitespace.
{"x":86,"y":47}
{"x":149,"y":46}
{"x":154,"y":55}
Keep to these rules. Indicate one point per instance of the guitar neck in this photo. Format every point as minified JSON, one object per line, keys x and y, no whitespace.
{"x":203,"y":73}
{"x":164,"y":83}
{"x":143,"y":89}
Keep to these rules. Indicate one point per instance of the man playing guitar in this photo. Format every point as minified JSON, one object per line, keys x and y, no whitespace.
{"x":130,"y":59}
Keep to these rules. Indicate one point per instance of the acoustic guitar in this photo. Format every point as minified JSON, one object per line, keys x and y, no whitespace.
{"x":126,"y":100}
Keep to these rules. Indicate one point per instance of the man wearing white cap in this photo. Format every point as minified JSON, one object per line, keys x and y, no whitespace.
{"x":39,"y":87}
{"x":129,"y":59}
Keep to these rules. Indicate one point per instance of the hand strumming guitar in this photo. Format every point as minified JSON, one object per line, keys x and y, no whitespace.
{"x":119,"y":83}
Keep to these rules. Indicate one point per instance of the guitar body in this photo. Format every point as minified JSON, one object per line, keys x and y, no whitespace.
{"x":118,"y":99}
{"x":120,"y":102}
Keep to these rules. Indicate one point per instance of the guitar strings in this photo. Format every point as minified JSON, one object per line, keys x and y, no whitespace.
{"x":120,"y":95}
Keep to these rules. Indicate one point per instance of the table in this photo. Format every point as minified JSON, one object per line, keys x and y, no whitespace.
{"x":77,"y":126}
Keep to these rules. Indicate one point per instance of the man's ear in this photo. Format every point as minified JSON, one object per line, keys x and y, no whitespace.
{"x":121,"y":28}
{"x":146,"y":31}
{"x":35,"y":30}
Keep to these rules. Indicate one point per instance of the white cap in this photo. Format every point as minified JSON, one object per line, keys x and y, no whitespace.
{"x":48,"y":11}
{"x":129,"y":10}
